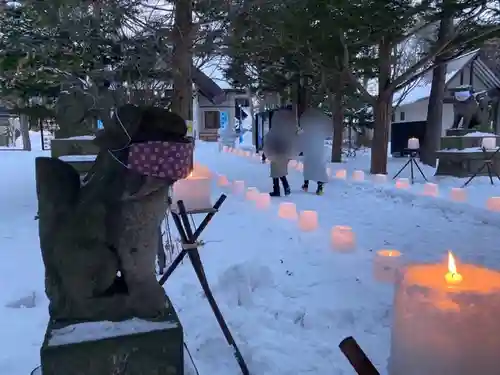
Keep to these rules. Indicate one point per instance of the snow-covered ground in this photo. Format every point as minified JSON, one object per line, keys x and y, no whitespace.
{"x":288,"y":297}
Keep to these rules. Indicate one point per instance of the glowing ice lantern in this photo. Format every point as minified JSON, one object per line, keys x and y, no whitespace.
{"x":200,"y":170}
{"x":341,"y":174}
{"x":493,"y":204}
{"x":292,"y":163}
{"x":288,"y":211}
{"x":444,"y":319}
{"x":263,"y":201}
{"x":489,"y":143}
{"x":413,"y":143}
{"x":380,"y":178}
{"x":300,"y":166}
{"x":343,"y":238}
{"x":386,"y":265}
{"x":358,"y":176}
{"x":251,"y":193}
{"x":194,"y":192}
{"x":308,"y":221}
{"x":222,"y":181}
{"x":431,"y":190}
{"x":402,"y":183}
{"x":238,"y":187}
{"x":458,"y":194}
{"x":225,"y":148}
{"x":247,"y":154}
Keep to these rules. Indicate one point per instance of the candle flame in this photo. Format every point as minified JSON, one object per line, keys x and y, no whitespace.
{"x":452,"y":265}
{"x":452,"y":276}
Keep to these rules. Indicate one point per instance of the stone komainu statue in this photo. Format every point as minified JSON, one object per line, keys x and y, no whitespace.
{"x":99,"y":236}
{"x":471,"y":109}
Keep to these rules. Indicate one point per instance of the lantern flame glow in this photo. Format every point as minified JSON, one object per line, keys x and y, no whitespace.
{"x":452,"y":276}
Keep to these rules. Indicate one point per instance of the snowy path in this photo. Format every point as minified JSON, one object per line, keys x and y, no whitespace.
{"x":382,"y":219}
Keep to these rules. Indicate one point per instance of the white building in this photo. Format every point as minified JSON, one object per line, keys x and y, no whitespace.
{"x":468,"y":69}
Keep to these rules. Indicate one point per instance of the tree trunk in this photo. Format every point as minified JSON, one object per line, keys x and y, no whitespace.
{"x":25,"y":132}
{"x":382,"y":117}
{"x":382,"y":110}
{"x":435,"y":107}
{"x":338,"y":126}
{"x":182,"y":60}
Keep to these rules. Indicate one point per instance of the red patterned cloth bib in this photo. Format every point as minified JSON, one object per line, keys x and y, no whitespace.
{"x":167,"y":160}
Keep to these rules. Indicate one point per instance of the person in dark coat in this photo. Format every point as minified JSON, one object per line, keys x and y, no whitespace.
{"x":279,"y":146}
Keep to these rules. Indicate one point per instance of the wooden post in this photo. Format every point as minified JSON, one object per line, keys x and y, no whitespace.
{"x":357,"y":357}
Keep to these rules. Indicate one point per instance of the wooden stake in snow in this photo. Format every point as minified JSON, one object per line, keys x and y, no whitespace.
{"x":357,"y":357}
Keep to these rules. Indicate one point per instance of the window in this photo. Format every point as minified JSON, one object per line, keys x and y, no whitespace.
{"x":212,"y":119}
{"x":401,"y":116}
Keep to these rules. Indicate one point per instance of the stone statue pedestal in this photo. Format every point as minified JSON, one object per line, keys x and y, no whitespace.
{"x":461,"y":156}
{"x":130,"y":347}
{"x":79,"y":152}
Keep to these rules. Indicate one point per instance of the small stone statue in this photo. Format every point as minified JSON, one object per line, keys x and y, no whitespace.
{"x":469,"y":108}
{"x":98,"y":235}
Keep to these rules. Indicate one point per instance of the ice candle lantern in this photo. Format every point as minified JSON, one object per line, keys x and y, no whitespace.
{"x":251,"y":193}
{"x":493,"y":204}
{"x":288,"y":211}
{"x":300,"y":166}
{"x":413,"y":143}
{"x":431,"y":190}
{"x":446,"y":320}
{"x":358,"y":175}
{"x":489,"y":143}
{"x":238,"y":187}
{"x":292,"y":163}
{"x":222,"y":181}
{"x":402,"y":183}
{"x":263,"y":201}
{"x":341,"y":174}
{"x":458,"y":194}
{"x":386,"y":265}
{"x":342,"y":238}
{"x":308,"y":221}
{"x":194,"y":191}
{"x":380,"y":178}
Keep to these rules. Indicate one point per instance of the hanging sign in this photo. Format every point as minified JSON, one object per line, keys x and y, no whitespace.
{"x":224,"y":120}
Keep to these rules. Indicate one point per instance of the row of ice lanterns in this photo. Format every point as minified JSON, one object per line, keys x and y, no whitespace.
{"x":342,"y":237}
{"x":430,"y":189}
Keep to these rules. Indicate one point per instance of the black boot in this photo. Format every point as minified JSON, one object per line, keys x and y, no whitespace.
{"x":305,"y":186}
{"x":286,"y":185}
{"x":319,"y":189}
{"x":276,"y":188}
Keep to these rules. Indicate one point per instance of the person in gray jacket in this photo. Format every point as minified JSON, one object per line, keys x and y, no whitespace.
{"x":316,"y":127}
{"x":279,"y":148}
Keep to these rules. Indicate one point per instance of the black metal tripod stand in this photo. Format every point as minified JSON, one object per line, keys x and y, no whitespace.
{"x":488,"y":164}
{"x":189,"y":239}
{"x":411,"y":162}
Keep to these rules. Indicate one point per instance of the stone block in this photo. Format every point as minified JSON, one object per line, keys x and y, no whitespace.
{"x":73,"y":146}
{"x":464,"y":164}
{"x":82,"y":163}
{"x":131,"y":347}
{"x":459,"y":132}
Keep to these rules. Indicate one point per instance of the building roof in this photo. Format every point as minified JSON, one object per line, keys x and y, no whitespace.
{"x":422,"y":89}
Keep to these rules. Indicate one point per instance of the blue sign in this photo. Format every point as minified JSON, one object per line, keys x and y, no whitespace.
{"x":224,"y":120}
{"x":100,"y":125}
